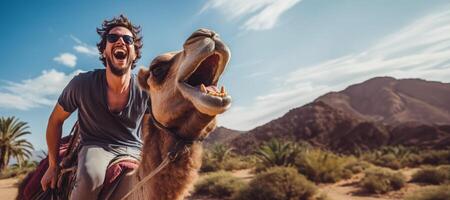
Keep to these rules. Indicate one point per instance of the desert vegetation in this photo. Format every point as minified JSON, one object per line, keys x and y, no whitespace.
{"x":219,"y":184}
{"x":221,"y":157}
{"x":13,"y":145}
{"x":441,"y":192}
{"x":381,"y":180}
{"x":297,"y":170}
{"x":278,"y":183}
{"x":432,"y":175}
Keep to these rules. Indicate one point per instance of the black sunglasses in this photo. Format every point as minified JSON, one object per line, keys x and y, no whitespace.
{"x":114,"y":37}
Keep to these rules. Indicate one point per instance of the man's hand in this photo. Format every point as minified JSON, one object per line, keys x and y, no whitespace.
{"x":49,"y":178}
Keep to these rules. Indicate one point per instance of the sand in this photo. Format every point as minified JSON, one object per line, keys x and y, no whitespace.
{"x":8,"y":189}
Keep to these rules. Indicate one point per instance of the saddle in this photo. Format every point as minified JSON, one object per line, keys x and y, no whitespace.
{"x":67,"y":161}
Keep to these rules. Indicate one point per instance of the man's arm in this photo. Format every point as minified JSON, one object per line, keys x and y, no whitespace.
{"x":53,"y":136}
{"x":54,"y":132}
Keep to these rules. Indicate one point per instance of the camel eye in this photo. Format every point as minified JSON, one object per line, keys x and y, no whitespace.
{"x":160,"y":70}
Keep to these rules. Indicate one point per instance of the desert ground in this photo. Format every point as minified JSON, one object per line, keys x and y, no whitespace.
{"x":8,"y":189}
{"x":346,"y":189}
{"x":342,"y":190}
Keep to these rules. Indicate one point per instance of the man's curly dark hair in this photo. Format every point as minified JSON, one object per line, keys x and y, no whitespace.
{"x":122,"y":21}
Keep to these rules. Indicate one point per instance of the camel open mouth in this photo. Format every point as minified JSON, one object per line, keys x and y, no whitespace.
{"x":200,"y":85}
{"x":203,"y":77}
{"x":205,"y":72}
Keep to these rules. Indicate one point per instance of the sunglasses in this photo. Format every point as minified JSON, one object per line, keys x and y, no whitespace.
{"x":114,"y":37}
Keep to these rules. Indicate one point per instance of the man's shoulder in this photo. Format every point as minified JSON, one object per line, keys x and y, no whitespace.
{"x":88,"y":77}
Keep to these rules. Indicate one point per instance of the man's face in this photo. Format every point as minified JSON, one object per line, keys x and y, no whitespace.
{"x":119,"y":54}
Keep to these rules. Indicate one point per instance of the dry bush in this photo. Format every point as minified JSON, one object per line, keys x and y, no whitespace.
{"x":435,"y":157}
{"x":278,"y":183}
{"x":441,"y":192}
{"x":218,"y":184}
{"x":221,"y":157}
{"x":325,"y":167}
{"x":432,"y":175}
{"x":381,"y":180}
{"x":15,"y":171}
{"x":394,"y":157}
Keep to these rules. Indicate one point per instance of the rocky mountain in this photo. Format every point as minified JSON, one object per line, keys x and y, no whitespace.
{"x":379,"y":111}
{"x":394,"y":101}
{"x":221,"y":135}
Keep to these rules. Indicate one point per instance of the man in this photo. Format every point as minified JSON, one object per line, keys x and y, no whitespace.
{"x":110,"y":108}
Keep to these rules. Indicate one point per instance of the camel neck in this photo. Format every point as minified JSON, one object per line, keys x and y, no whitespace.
{"x":180,"y":173}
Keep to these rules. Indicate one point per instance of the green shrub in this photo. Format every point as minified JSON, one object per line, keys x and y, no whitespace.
{"x":394,"y":157}
{"x":356,"y":166}
{"x":232,"y":162}
{"x":390,"y":161}
{"x":381,"y":180}
{"x":15,"y":171}
{"x":218,"y":184}
{"x":209,"y":164}
{"x":278,"y":153}
{"x":324,"y":167}
{"x":278,"y":183}
{"x":237,"y":163}
{"x":431,"y":175}
{"x":220,"y":157}
{"x":441,"y":192}
{"x":436,"y":157}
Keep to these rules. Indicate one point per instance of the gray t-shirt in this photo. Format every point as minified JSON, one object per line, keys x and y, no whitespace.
{"x":87,"y":92}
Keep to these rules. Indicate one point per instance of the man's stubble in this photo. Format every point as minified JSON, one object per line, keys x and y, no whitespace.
{"x":116,"y":70}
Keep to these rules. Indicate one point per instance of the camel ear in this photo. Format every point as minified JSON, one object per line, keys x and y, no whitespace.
{"x":143,"y":75}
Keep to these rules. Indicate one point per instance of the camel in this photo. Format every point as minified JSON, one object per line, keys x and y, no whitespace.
{"x":184,"y":103}
{"x":185,"y":98}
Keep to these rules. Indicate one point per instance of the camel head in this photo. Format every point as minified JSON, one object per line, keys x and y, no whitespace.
{"x":183,"y":85}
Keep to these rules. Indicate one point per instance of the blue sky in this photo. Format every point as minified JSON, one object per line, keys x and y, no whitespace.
{"x":285,"y":53}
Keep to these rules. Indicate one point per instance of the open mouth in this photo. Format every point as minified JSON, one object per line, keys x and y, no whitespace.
{"x":203,"y":77}
{"x":120,"y":54}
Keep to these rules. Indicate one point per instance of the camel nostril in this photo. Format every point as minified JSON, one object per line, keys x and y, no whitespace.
{"x":213,"y":34}
{"x":200,"y":33}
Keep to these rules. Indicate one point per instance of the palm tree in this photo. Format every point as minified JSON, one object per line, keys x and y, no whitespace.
{"x":11,"y":129}
{"x":220,"y":152}
{"x":279,"y":153}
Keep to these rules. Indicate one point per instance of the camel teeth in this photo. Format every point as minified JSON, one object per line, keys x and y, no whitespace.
{"x":223,"y":91}
{"x":202,"y":88}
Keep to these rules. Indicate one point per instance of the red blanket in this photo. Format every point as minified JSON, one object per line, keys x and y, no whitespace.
{"x":114,"y":173}
{"x":31,"y":186}
{"x":32,"y":183}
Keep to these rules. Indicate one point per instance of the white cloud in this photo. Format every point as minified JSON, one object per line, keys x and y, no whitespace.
{"x":84,"y":48}
{"x":67,"y":59}
{"x":420,"y":50}
{"x":88,"y":50}
{"x":39,"y":91}
{"x":259,"y":14}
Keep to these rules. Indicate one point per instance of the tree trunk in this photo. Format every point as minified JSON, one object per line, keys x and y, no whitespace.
{"x":2,"y":159}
